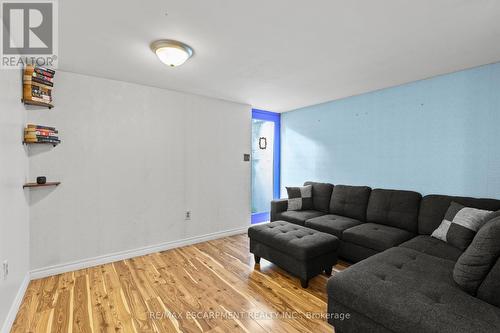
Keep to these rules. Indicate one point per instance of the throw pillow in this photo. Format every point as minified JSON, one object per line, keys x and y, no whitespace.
{"x":489,"y":290}
{"x":299,"y":198}
{"x":476,"y":262}
{"x":493,"y":215}
{"x":460,"y":225}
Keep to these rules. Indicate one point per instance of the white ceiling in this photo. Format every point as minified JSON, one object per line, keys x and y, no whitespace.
{"x":279,"y":55}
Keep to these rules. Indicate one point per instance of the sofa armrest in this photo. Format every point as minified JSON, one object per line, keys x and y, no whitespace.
{"x":278,"y":206}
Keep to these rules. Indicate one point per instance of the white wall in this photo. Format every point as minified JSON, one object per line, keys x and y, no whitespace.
{"x":14,"y":213}
{"x":132,"y":161}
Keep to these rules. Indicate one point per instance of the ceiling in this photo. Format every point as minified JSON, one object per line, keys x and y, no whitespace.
{"x":279,"y":55}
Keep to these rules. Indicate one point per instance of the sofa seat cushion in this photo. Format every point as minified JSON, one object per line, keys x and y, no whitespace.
{"x":434,"y":247}
{"x":332,"y":224}
{"x":354,"y":252}
{"x":407,"y":291}
{"x":301,"y":242}
{"x":376,"y":236}
{"x":298,"y":216}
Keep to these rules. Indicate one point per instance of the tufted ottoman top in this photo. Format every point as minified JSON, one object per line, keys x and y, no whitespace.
{"x":295,"y":240}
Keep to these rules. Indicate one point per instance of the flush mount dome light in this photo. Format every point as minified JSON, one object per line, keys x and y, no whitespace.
{"x":171,"y":52}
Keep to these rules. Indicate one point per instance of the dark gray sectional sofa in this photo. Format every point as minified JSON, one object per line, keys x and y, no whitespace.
{"x":403,"y":278}
{"x":366,"y":221}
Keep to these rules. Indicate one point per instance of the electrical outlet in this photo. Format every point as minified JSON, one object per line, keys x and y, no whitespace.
{"x":5,"y":269}
{"x":188,"y":215}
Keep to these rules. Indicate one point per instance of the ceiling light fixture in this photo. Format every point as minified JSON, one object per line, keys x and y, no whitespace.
{"x":171,"y":52}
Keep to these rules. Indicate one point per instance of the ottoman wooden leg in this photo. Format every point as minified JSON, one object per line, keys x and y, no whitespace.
{"x":328,"y":271}
{"x":304,"y":283}
{"x":257,"y":259}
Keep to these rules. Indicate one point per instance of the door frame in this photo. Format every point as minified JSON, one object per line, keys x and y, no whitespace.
{"x":276,"y":118}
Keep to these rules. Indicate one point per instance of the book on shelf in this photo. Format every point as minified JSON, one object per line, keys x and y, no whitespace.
{"x":37,"y":77}
{"x":43,"y":72}
{"x":30,"y":69}
{"x":28,"y":81}
{"x":43,"y":77}
{"x":41,"y":100}
{"x":48,"y":128}
{"x":42,"y":141}
{"x":37,"y":85}
{"x":50,"y":72}
{"x":38,"y":131}
{"x":42,"y":81}
{"x":41,"y":134}
{"x":40,"y":94}
{"x":41,"y":90}
{"x":29,"y":135}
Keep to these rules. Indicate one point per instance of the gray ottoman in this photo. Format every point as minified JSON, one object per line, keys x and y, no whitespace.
{"x":301,"y":251}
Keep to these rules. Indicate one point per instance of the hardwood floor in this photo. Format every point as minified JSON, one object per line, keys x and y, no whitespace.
{"x":207,"y":287}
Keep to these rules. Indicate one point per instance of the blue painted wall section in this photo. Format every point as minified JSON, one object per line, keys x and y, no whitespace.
{"x":440,"y":135}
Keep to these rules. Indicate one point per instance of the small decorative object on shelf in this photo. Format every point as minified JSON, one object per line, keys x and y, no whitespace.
{"x":37,"y":86}
{"x":41,"y":180}
{"x":41,"y":134}
{"x":41,"y":185}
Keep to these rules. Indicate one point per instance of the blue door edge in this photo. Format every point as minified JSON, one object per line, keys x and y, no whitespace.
{"x":276,"y":118}
{"x":260,"y":217}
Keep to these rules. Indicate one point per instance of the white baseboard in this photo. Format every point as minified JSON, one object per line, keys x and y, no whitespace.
{"x":108,"y":258}
{"x":11,"y":316}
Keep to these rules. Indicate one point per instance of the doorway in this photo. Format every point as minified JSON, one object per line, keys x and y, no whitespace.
{"x":265,"y":163}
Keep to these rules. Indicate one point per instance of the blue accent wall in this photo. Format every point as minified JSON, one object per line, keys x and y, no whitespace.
{"x":440,"y":135}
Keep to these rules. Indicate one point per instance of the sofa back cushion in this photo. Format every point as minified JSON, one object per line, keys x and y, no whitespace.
{"x":476,"y":262}
{"x":321,"y":195}
{"x":433,"y":209}
{"x":394,"y":208}
{"x":350,"y":201}
{"x":489,"y":290}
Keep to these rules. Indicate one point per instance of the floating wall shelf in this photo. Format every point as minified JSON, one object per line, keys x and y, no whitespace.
{"x":29,"y":102}
{"x":41,"y":185}
{"x":38,"y":83}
